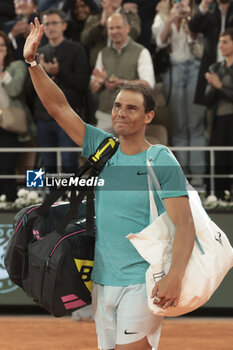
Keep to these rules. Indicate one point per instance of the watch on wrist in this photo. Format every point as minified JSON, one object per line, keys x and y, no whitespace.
{"x":33,"y":63}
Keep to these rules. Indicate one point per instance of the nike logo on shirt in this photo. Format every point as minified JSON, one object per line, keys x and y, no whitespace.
{"x":125,"y":332}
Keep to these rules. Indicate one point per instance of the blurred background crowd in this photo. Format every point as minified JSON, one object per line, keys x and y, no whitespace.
{"x":181,"y":49}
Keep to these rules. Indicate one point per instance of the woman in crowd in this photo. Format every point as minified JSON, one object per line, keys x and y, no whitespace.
{"x":170,"y":29}
{"x":79,"y":13}
{"x":12,"y":78}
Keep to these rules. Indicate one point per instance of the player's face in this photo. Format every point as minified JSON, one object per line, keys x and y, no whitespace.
{"x":128,"y":114}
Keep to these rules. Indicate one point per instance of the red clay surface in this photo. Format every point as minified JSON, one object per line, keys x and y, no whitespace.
{"x":49,"y":333}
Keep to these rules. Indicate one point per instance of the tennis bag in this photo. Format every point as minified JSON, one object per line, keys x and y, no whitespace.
{"x":50,"y":254}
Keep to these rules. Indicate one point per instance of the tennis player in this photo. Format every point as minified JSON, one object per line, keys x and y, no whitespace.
{"x":123,"y":319}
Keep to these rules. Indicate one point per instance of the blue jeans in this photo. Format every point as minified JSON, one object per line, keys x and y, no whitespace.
{"x":50,"y":134}
{"x":187,"y":118}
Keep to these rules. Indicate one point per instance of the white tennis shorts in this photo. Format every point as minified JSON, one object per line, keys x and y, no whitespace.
{"x":122,"y":316}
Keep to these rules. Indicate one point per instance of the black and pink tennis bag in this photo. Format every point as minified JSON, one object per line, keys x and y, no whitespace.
{"x":51,"y":251}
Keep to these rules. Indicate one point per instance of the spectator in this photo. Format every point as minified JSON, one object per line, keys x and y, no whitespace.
{"x":210,"y":19}
{"x":63,"y":5}
{"x":124,"y":61}
{"x":7,"y":11}
{"x":219,"y":97}
{"x":12,"y":80}
{"x":94,"y":35}
{"x":146,"y":12}
{"x":66,"y":63}
{"x":19,"y":28}
{"x":79,"y":12}
{"x":170,"y":27}
{"x":47,"y":4}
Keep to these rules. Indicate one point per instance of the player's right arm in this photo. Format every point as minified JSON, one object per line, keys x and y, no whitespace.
{"x":49,"y":93}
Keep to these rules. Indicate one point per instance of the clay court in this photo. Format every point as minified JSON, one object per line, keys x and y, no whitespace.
{"x":49,"y":333}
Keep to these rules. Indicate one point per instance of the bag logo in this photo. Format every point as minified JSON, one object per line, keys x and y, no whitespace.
{"x":158,"y":276}
{"x":141,"y":173}
{"x":99,"y":152}
{"x":6,"y":285}
{"x":71,"y":301}
{"x":218,"y":238}
{"x":85,"y":268}
{"x":35,"y":178}
{"x":36,"y":234}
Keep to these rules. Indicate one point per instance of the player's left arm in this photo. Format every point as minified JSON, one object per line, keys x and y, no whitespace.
{"x":168,"y":289}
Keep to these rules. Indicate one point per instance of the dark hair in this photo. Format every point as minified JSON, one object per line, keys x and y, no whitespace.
{"x":58,"y":12}
{"x":94,"y":9}
{"x":35,"y":2}
{"x":145,"y":91}
{"x":228,"y":31}
{"x":9,"y":56}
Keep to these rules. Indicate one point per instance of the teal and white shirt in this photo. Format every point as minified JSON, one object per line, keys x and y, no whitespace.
{"x":122,"y":207}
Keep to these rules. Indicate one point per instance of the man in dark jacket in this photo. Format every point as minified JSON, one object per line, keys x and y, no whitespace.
{"x":210,"y":19}
{"x":219,"y":97}
{"x":67,"y":64}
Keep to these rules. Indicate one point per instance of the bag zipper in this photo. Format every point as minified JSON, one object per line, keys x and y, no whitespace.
{"x":24,"y":218}
{"x":57,"y":244}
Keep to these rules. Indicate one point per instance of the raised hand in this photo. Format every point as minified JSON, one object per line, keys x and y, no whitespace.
{"x":205,"y":5}
{"x":130,"y":7}
{"x":106,"y":12}
{"x":33,"y":40}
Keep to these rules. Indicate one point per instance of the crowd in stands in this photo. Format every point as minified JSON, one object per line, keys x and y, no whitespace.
{"x":90,"y":47}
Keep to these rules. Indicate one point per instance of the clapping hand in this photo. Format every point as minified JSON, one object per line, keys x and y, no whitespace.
{"x":33,"y":40}
{"x":99,"y":76}
{"x":106,"y":12}
{"x":113,"y":82}
{"x":213,"y":80}
{"x":21,"y":27}
{"x":52,"y":68}
{"x":174,"y":12}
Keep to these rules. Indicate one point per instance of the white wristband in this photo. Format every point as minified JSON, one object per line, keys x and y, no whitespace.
{"x":33,"y":63}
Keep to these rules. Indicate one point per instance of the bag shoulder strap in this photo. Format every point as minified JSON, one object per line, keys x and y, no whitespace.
{"x":151,"y":175}
{"x":96,"y":162}
{"x":152,"y":179}
{"x":103,"y":153}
